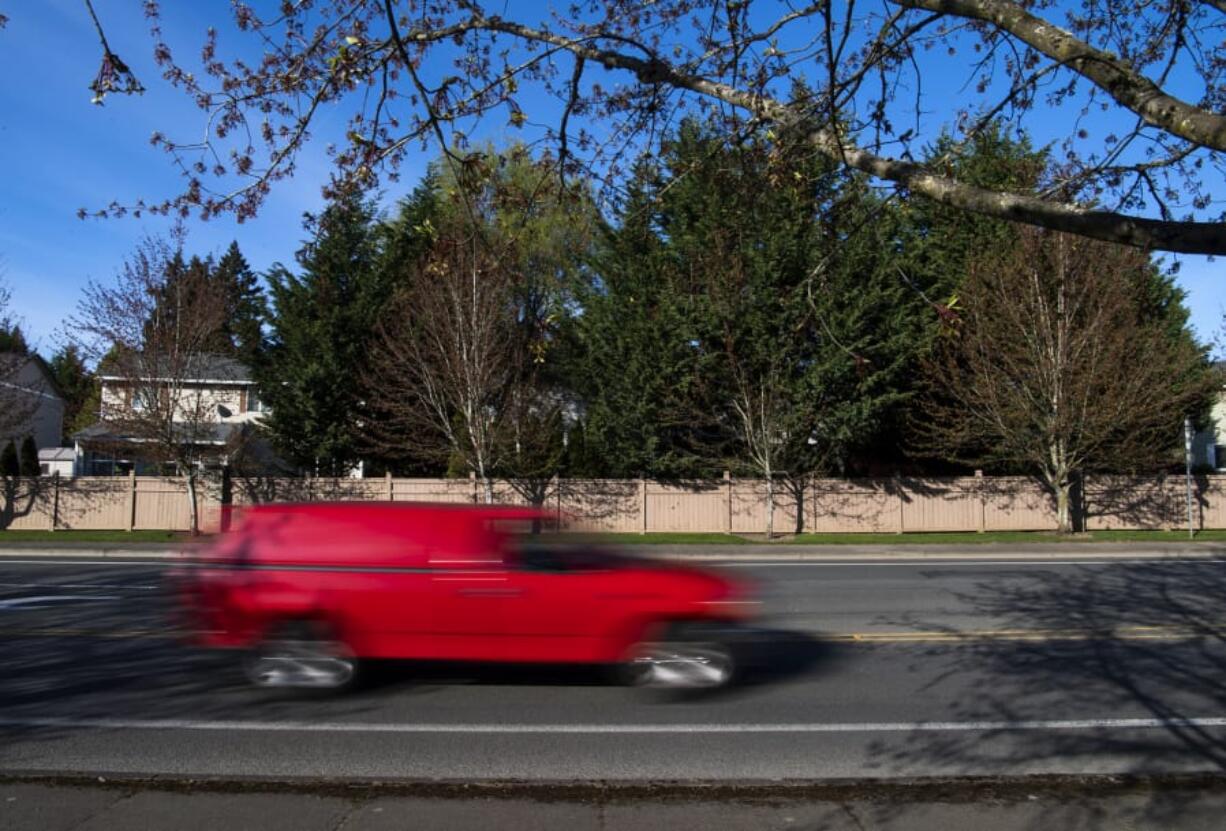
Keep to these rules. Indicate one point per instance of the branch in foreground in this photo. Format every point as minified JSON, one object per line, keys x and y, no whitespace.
{"x":1109,"y":226}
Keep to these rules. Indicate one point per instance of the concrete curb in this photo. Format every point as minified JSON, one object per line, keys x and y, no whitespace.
{"x":767,"y":553}
{"x":949,"y":788}
{"x":82,"y":553}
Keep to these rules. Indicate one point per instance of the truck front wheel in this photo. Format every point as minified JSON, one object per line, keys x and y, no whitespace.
{"x":686,"y":657}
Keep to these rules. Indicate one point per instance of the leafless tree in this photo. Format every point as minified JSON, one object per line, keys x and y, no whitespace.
{"x":1057,"y":365}
{"x":443,"y":361}
{"x":151,"y":327}
{"x":1136,"y":91}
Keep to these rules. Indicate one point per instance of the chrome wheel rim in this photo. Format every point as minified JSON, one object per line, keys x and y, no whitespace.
{"x":301,"y":663}
{"x":682,"y":666}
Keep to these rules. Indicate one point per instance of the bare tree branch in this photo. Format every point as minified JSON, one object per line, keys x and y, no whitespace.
{"x":1127,"y":86}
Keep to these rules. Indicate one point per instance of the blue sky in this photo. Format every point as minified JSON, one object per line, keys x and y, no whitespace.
{"x":62,"y":153}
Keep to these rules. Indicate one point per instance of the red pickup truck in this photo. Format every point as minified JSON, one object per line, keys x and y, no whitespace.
{"x":307,"y":591}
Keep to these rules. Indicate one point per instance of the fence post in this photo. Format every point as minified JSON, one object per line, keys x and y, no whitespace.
{"x":902,"y":503}
{"x":55,"y":500}
{"x":980,"y":486}
{"x":131,"y":517}
{"x":225,"y":499}
{"x":642,"y":505}
{"x":390,"y":493}
{"x":728,"y":498}
{"x":811,"y":519}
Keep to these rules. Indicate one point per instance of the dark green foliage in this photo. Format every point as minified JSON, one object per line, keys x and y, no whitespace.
{"x":79,"y":388}
{"x":935,"y":242}
{"x":10,"y":466}
{"x":187,"y":286}
{"x":321,"y":319}
{"x":28,"y":463}
{"x":634,"y":362}
{"x":406,"y":238}
{"x":228,"y":285}
{"x":246,"y":307}
{"x":13,"y":340}
{"x":742,"y":278}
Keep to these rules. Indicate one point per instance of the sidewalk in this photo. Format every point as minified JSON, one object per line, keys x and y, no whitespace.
{"x":778,"y":552}
{"x":45,"y":807}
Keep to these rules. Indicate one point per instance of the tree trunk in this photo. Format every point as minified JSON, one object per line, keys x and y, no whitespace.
{"x":1064,"y":514}
{"x":488,"y":485}
{"x":798,"y":490}
{"x":770,"y":508}
{"x":191,"y":502}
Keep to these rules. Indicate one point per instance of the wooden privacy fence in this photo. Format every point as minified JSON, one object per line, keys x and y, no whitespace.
{"x":635,"y":505}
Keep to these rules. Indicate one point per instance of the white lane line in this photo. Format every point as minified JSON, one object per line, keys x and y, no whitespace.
{"x":110,"y":586}
{"x":45,"y":599}
{"x":599,"y":729}
{"x":148,"y":563}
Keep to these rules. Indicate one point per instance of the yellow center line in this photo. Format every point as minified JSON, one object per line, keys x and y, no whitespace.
{"x":1124,"y":633}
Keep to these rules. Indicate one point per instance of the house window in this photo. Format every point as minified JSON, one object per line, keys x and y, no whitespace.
{"x":255,"y":404}
{"x":140,"y":401}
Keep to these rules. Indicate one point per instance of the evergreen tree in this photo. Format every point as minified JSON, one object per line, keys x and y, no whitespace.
{"x":78,"y":386}
{"x":633,"y":359}
{"x":246,"y":306}
{"x":28,"y":463}
{"x":747,"y":313}
{"x":10,"y":466}
{"x":188,"y":286}
{"x":406,"y":237}
{"x":937,"y":243}
{"x":321,"y":318}
{"x":13,"y":340}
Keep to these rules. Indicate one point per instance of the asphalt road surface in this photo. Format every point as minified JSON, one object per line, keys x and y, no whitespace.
{"x":886,"y":669}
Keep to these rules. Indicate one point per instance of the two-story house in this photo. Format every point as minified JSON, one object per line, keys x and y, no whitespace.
{"x":30,"y":402}
{"x":209,"y":402}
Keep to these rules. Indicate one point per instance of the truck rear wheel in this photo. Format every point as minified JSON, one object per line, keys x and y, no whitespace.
{"x":302,"y":655}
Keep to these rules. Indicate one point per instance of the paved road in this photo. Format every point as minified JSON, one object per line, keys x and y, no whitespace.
{"x":869,"y":669}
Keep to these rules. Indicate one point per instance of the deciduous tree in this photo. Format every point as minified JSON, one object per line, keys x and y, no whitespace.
{"x":443,"y":364}
{"x":1057,"y":365}
{"x":466,"y":364}
{"x":156,"y":326}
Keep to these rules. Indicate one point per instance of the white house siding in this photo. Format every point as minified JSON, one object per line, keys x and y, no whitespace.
{"x":116,"y":402}
{"x":1205,"y":446}
{"x":27,"y":387}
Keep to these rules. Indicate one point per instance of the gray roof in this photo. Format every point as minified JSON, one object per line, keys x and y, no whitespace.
{"x":29,"y":373}
{"x":57,"y":454}
{"x":102,"y":432}
{"x":204,"y":367}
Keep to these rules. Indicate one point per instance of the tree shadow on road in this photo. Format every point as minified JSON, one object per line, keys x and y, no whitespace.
{"x":1125,"y":641}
